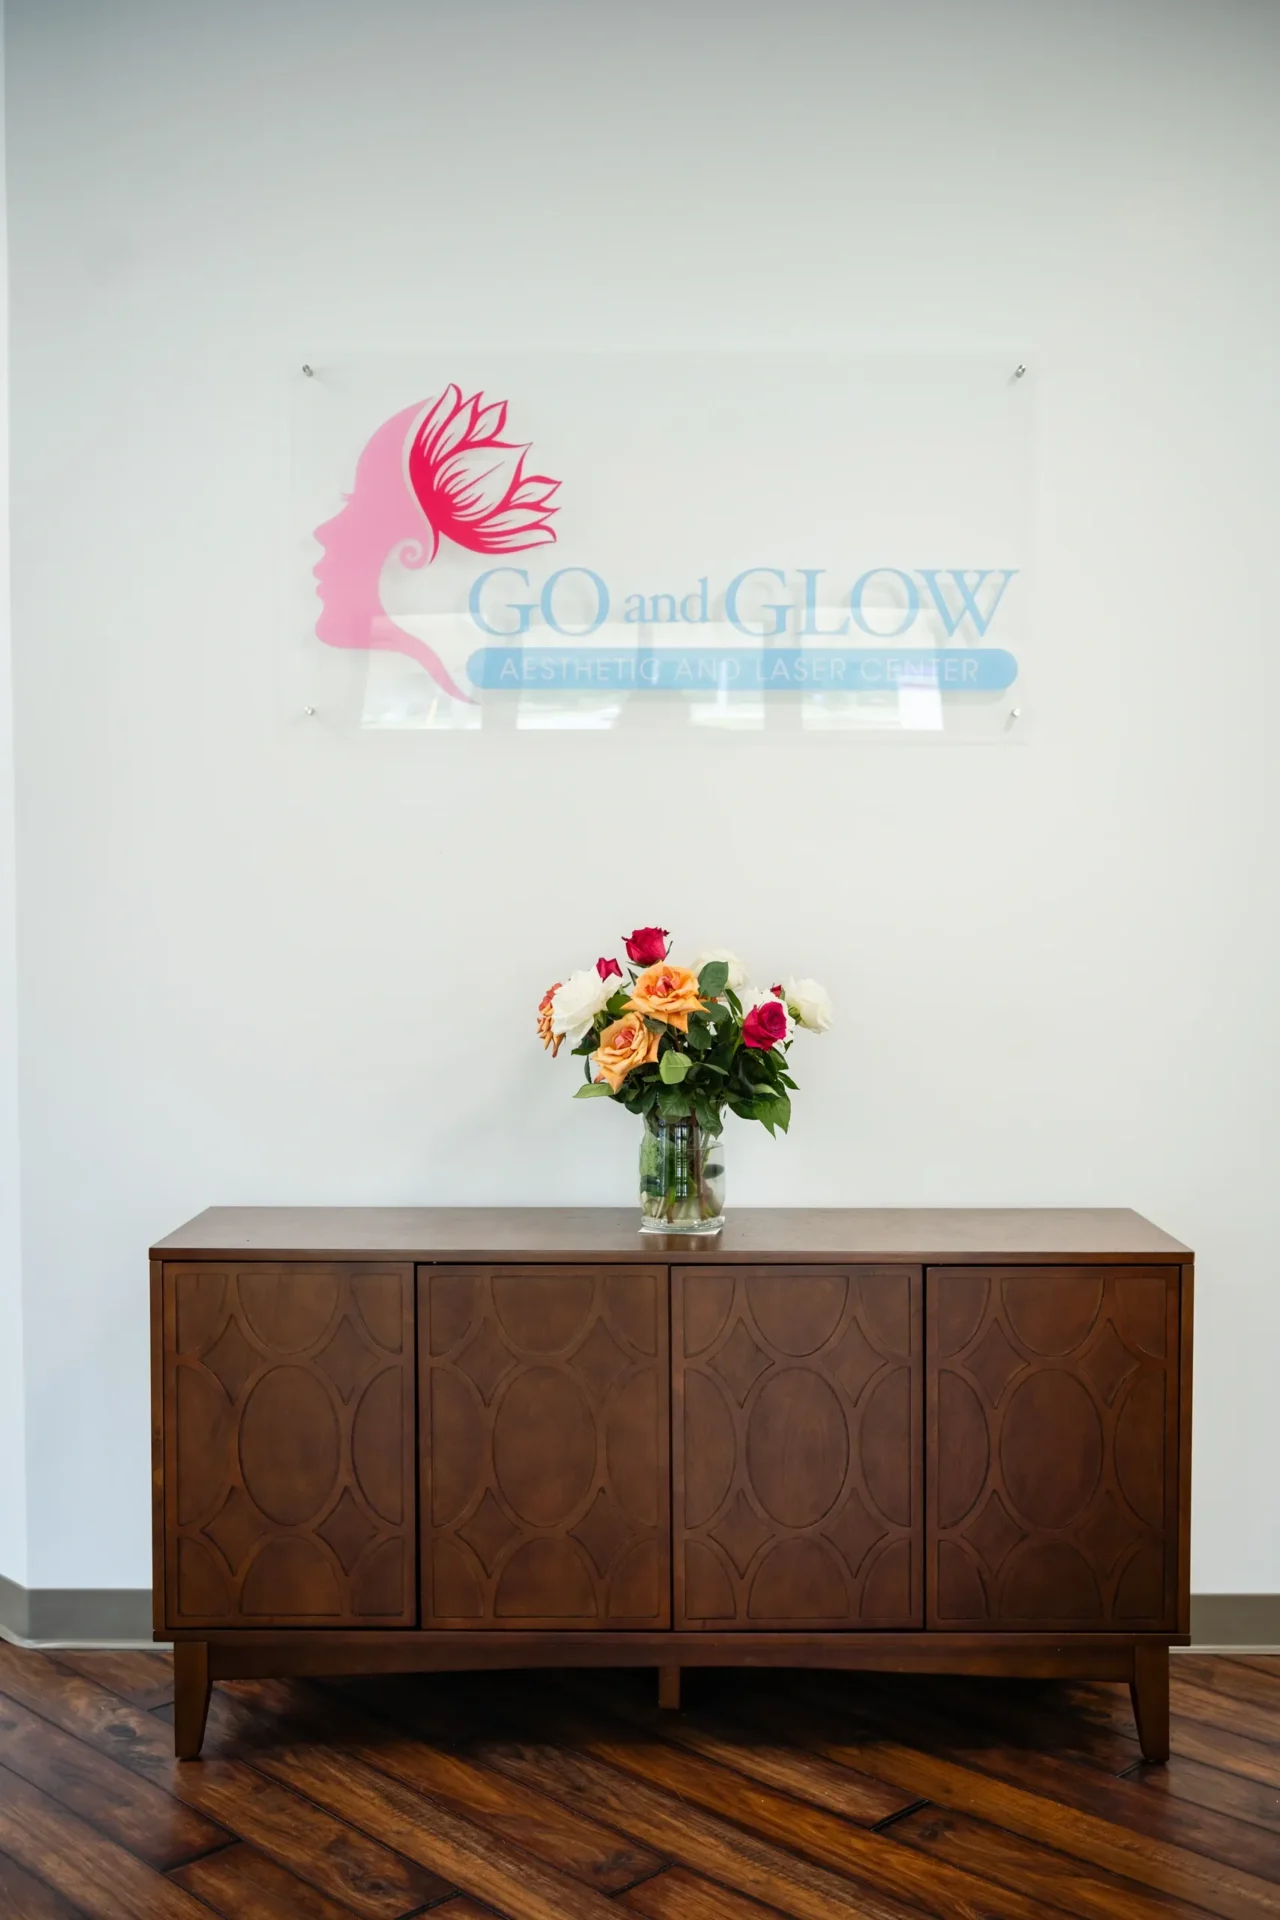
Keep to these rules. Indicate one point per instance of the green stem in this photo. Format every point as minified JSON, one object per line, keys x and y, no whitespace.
{"x":695,"y":1165}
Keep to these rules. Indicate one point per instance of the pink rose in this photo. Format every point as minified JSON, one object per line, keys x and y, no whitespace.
{"x":764,"y":1026}
{"x":605,"y":968}
{"x":647,"y":945}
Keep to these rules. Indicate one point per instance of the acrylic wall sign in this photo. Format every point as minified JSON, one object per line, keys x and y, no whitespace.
{"x":756,"y":542}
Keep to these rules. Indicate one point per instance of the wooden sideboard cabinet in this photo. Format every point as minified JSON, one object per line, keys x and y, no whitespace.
{"x":941,"y":1440}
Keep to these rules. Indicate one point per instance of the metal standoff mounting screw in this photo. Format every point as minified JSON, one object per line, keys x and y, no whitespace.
{"x":1015,"y":713}
{"x":1018,"y":371}
{"x":309,"y":371}
{"x":310,"y":712}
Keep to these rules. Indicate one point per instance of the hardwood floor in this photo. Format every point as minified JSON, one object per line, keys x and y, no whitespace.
{"x":571,"y":1797}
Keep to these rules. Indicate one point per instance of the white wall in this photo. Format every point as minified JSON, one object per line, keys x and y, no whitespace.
{"x":13,"y":1485}
{"x":259,"y":965}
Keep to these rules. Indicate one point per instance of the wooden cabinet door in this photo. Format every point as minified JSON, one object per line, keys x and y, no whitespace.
{"x":545,"y":1464}
{"x":1052,"y":1395}
{"x":798,"y":1439}
{"x":288,"y":1445}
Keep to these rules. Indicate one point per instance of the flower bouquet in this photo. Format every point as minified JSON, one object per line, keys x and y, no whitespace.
{"x":680,"y":1046}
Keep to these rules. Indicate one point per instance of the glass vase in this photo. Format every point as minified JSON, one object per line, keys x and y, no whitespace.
{"x":681,"y":1176}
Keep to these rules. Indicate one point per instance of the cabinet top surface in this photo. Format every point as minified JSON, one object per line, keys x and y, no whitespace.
{"x":956,"y":1235}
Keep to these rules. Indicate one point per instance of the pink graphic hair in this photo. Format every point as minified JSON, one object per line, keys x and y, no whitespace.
{"x":471,"y":483}
{"x":445,"y":462}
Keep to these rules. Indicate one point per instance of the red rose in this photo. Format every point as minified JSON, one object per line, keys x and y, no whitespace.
{"x":764,"y":1026}
{"x":647,"y":945}
{"x":607,"y":967}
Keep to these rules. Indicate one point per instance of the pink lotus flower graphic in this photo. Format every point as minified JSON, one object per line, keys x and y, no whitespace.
{"x":439,"y":470}
{"x":471,"y":483}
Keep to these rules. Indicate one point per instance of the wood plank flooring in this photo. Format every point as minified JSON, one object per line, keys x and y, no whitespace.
{"x":571,"y":1797}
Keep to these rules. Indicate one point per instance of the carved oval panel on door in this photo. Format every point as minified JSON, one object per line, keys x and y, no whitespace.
{"x":798,"y":1422}
{"x":544,"y":1447}
{"x":1052,"y":1409}
{"x":288,"y":1401}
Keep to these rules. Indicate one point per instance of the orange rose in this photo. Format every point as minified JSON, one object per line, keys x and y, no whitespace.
{"x":547,"y":1037}
{"x":625,"y":1045}
{"x":666,"y":993}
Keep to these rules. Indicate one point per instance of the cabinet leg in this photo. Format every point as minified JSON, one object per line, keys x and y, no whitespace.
{"x":669,"y":1689}
{"x":191,"y":1686}
{"x":1149,"y":1690}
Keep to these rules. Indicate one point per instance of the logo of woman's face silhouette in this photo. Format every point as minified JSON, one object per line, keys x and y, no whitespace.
{"x":439,"y":470}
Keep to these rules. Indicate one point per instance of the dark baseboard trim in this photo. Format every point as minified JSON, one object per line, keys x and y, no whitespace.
{"x":14,"y":1613}
{"x":75,"y":1616}
{"x":1234,"y":1621}
{"x":121,"y":1617}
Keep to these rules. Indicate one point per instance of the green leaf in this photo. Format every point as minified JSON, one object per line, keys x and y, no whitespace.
{"x":616,"y":1003}
{"x":713,"y":979}
{"x":597,"y":1090}
{"x":699,"y":1037}
{"x":673,"y":1067}
{"x":673,"y":1103}
{"x":775,"y":1112}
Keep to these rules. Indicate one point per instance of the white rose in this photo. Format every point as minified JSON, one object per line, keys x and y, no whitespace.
{"x":737,"y":968}
{"x":809,"y":1004}
{"x":578,"y":1001}
{"x":756,"y":999}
